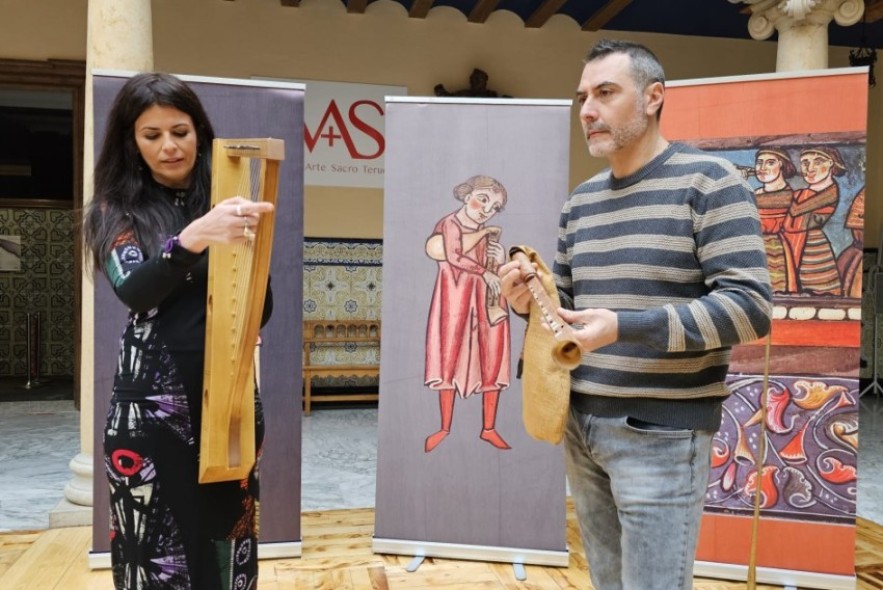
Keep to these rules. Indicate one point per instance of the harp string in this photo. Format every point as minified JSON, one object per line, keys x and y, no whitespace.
{"x":243,"y":255}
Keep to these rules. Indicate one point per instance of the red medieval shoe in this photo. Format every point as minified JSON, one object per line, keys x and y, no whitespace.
{"x":446,"y":409}
{"x":434,"y":439}
{"x":492,"y":436}
{"x":489,"y":431}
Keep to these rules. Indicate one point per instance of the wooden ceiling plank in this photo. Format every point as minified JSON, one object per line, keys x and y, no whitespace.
{"x":873,"y":10}
{"x":420,"y":8}
{"x":482,"y":10}
{"x":543,"y":13}
{"x":356,"y":6}
{"x":605,"y":14}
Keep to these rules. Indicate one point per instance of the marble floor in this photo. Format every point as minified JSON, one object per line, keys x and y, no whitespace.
{"x":339,"y":455}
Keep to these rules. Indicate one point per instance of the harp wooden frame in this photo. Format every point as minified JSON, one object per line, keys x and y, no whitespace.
{"x":233,"y":312}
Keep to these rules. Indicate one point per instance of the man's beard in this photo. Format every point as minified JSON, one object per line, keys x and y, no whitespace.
{"x":618,"y":137}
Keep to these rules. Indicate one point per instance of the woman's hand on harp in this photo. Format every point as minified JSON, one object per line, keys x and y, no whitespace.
{"x":513,"y":284}
{"x":592,"y":328}
{"x":232,"y":221}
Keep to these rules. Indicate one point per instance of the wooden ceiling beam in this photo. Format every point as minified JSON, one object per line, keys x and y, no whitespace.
{"x":873,"y":10}
{"x":605,"y":14}
{"x":482,"y":10}
{"x":543,"y":13}
{"x":356,"y":6}
{"x":420,"y":8}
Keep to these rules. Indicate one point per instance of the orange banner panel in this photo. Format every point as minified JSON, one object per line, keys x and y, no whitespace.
{"x":730,"y":108}
{"x":783,"y":544}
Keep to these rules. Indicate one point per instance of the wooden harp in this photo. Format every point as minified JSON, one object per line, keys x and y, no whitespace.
{"x":237,"y":284}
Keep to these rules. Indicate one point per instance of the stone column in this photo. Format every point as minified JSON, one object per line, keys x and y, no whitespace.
{"x":802,"y":27}
{"x":119,"y":37}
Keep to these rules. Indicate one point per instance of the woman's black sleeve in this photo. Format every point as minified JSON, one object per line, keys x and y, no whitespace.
{"x":143,"y":283}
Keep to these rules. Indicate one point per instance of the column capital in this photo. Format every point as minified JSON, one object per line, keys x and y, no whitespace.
{"x":768,"y":16}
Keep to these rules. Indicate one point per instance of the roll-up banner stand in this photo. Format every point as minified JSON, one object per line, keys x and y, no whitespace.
{"x":805,"y":163}
{"x":465,"y":180}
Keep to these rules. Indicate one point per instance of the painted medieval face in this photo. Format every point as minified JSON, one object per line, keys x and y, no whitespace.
{"x":166,"y":139}
{"x":767,"y":167}
{"x":482,"y":204}
{"x":612,"y":109}
{"x":815,"y":167}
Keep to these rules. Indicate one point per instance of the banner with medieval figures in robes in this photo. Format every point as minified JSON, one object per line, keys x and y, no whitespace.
{"x":457,"y":474}
{"x":806,"y":164}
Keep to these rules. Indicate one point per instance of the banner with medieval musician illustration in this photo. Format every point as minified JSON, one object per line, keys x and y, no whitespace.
{"x":457,"y":474}
{"x":806,"y":166}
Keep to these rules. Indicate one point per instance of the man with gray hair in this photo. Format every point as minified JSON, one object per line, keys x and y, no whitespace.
{"x":661,"y":269}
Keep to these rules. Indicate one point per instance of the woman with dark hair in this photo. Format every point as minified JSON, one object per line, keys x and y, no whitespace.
{"x":149,"y":228}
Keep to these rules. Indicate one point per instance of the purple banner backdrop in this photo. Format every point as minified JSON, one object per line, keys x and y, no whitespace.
{"x":237,"y":109}
{"x":464,"y":496}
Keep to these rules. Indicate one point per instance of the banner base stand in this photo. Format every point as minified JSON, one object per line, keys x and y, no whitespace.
{"x":472,"y":552}
{"x":281,"y":550}
{"x":100,"y":560}
{"x":775,"y":576}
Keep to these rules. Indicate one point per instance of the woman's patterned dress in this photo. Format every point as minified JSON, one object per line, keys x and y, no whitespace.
{"x":167,"y":530}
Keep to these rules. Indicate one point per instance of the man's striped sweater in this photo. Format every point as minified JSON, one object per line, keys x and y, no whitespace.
{"x":676,"y":250}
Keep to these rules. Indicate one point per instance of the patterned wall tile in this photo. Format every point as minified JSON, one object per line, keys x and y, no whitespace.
{"x":342,"y":280}
{"x":43,"y":287}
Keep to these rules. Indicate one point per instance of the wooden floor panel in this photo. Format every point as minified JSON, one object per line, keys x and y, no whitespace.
{"x":12,"y":545}
{"x":337,"y":555}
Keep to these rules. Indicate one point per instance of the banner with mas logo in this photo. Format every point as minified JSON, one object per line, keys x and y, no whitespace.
{"x":344,"y":134}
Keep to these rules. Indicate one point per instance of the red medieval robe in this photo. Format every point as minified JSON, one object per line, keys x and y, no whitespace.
{"x":772,"y":206}
{"x":817,"y":271}
{"x":464,"y":351}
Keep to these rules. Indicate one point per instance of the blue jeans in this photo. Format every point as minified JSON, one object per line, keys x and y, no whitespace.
{"x":639,"y":490}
